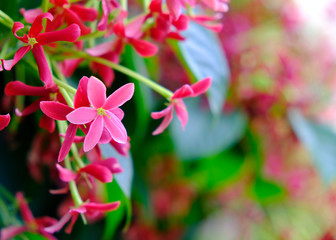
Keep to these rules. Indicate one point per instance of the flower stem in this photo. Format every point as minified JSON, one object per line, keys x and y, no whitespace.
{"x":6,"y":20}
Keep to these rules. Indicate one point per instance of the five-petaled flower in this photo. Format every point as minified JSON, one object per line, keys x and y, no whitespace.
{"x":105,"y":113}
{"x":35,"y":39}
{"x":176,"y":103}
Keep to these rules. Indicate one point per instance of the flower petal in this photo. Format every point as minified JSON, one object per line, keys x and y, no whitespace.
{"x":81,"y":97}
{"x":106,"y":73}
{"x":112,"y":164}
{"x":175,"y":8}
{"x":16,"y":27}
{"x":55,"y":110}
{"x":37,"y":25}
{"x":69,"y":66}
{"x":165,"y":122}
{"x":47,"y":123}
{"x":10,"y":232}
{"x":68,"y":140}
{"x":96,"y":92}
{"x":4,"y":121}
{"x":201,"y":86}
{"x":43,"y":67}
{"x":86,"y":14}
{"x":8,"y":64}
{"x":116,"y":128}
{"x":181,"y":112}
{"x":31,"y":14}
{"x":162,"y":113}
{"x":17,"y":88}
{"x":58,"y":226}
{"x":99,"y":172}
{"x":182,"y":92}
{"x":103,"y":207}
{"x":143,"y":48}
{"x":118,"y":112}
{"x":100,"y":49}
{"x":94,"y":134}
{"x":119,"y":97}
{"x":68,"y":34}
{"x":66,"y":175}
{"x":71,"y":17}
{"x":105,"y":137}
{"x":26,"y":213}
{"x":82,"y":115}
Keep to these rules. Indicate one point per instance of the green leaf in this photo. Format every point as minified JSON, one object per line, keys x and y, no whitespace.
{"x":206,"y":134}
{"x":31,"y":236}
{"x":216,"y":172}
{"x":320,"y":140}
{"x":266,"y":191}
{"x":205,"y":57}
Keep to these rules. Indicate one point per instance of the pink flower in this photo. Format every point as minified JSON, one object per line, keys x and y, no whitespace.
{"x":63,"y":11}
{"x":176,"y":103}
{"x":101,"y":170}
{"x":35,"y":40}
{"x":105,"y":113}
{"x":72,"y":214}
{"x":32,"y":224}
{"x":4,"y":121}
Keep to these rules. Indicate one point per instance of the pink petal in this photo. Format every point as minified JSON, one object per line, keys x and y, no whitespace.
{"x":116,"y":128}
{"x":26,"y":213}
{"x":118,"y":112}
{"x":58,"y":226}
{"x":105,"y":137}
{"x":68,"y":140}
{"x":162,"y":113}
{"x":47,"y":123}
{"x":121,"y":148}
{"x":68,"y":34}
{"x":103,"y":207}
{"x":43,"y":67}
{"x":45,"y":221}
{"x":69,"y":66}
{"x":175,"y":8}
{"x":112,"y":164}
{"x":86,"y":14}
{"x":133,"y":29}
{"x":119,"y":97}
{"x":37,"y":25}
{"x":155,"y":6}
{"x":119,"y":29}
{"x":60,"y":190}
{"x":8,"y":64}
{"x":4,"y":121}
{"x":201,"y":86}
{"x":71,"y":17}
{"x":106,"y":73}
{"x":181,"y":112}
{"x":55,"y":110}
{"x":94,"y":134}
{"x":65,"y":174}
{"x":181,"y":23}
{"x":10,"y":232}
{"x":17,"y":88}
{"x":165,"y":122}
{"x":16,"y":27}
{"x":82,"y":115}
{"x":30,"y":109}
{"x":96,"y":92}
{"x":182,"y":92}
{"x":81,"y":98}
{"x":101,"y":173}
{"x":31,"y":14}
{"x":143,"y":48}
{"x":100,"y":49}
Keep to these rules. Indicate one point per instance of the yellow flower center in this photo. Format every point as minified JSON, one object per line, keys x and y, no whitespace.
{"x":101,"y":111}
{"x":32,"y":41}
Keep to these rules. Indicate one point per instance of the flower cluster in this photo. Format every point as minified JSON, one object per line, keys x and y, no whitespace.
{"x":64,"y":35}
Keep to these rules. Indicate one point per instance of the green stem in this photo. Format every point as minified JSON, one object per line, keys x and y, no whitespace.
{"x":6,"y":20}
{"x":44,"y":6}
{"x":156,"y":87}
{"x":124,"y":4}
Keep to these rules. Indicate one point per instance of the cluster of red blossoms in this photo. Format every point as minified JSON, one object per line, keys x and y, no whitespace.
{"x":85,"y":116}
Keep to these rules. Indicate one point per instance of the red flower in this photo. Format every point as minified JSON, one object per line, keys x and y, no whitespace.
{"x":176,"y":103}
{"x":71,"y":13}
{"x":72,"y":214}
{"x":35,"y":40}
{"x":4,"y":121}
{"x":32,"y":224}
